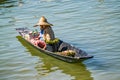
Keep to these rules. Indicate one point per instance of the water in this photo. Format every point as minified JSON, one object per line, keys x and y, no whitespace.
{"x":92,"y":25}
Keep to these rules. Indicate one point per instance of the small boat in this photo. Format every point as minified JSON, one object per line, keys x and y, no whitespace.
{"x":79,"y":56}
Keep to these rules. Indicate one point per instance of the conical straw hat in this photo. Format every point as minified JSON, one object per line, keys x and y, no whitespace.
{"x":43,"y":21}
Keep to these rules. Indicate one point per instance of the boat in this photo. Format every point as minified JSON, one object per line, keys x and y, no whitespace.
{"x":79,"y":56}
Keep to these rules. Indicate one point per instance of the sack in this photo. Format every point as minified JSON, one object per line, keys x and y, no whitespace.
{"x":68,"y":53}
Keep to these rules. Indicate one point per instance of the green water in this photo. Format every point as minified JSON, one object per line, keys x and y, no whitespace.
{"x":92,"y":25}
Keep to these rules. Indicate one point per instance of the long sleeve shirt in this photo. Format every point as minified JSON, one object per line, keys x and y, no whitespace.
{"x":48,"y":34}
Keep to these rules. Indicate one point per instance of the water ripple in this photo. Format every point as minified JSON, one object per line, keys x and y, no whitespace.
{"x":90,"y":25}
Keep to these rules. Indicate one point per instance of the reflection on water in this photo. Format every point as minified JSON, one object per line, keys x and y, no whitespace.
{"x":50,"y":68}
{"x":10,"y":3}
{"x":4,"y":1}
{"x":7,"y":4}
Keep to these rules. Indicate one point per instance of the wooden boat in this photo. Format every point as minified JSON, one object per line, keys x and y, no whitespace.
{"x":79,"y":56}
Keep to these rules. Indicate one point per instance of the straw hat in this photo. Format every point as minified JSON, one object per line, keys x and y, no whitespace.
{"x":43,"y":21}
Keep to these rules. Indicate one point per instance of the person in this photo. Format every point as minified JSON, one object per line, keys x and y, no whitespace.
{"x":47,"y":33}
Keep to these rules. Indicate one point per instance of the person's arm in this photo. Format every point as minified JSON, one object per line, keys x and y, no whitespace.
{"x":47,"y":35}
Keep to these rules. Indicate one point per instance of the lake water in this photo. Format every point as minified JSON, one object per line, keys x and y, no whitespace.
{"x":92,"y":25}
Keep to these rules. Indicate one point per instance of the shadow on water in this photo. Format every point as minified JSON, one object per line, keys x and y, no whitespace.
{"x":3,"y":1}
{"x":76,"y":70}
{"x":10,"y":3}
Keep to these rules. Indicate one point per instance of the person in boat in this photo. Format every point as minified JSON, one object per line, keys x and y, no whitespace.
{"x":47,"y":34}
